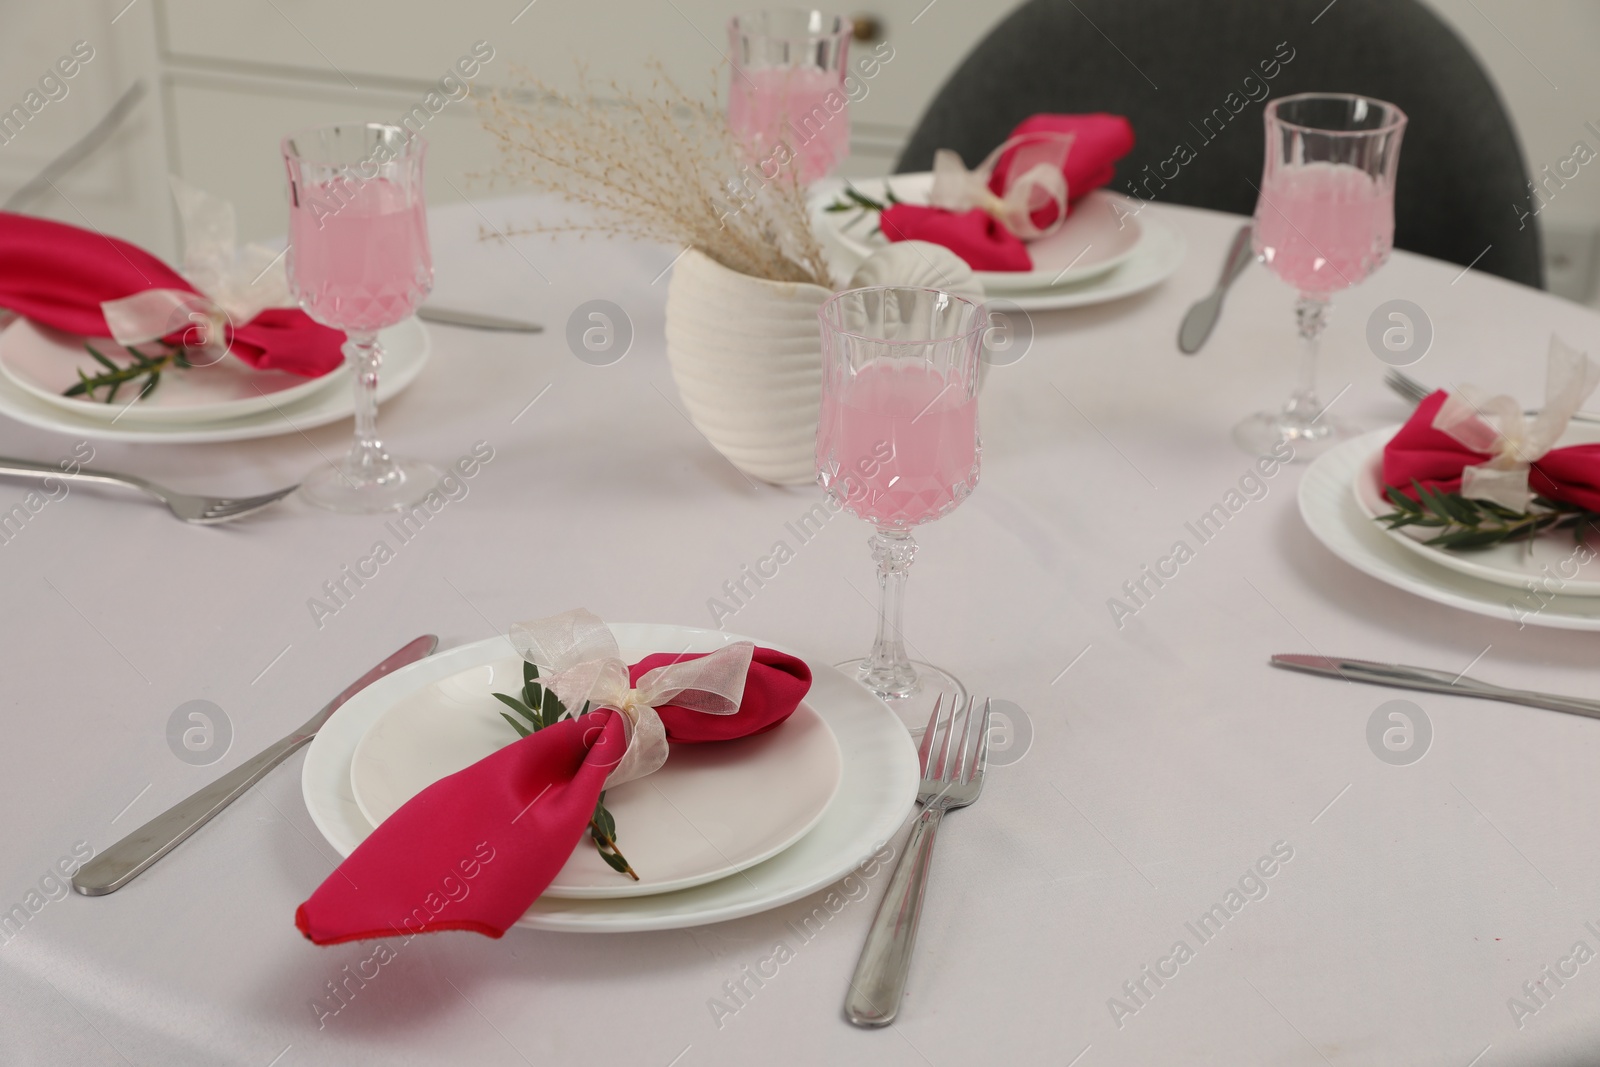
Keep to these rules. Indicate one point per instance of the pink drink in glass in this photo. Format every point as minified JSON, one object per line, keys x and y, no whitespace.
{"x":768,"y":105}
{"x":900,"y":446}
{"x":1324,"y":226}
{"x":361,"y":257}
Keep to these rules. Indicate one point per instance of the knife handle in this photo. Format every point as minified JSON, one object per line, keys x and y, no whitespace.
{"x":128,"y":858}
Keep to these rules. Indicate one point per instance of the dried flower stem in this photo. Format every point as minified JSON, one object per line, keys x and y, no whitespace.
{"x":662,"y":167}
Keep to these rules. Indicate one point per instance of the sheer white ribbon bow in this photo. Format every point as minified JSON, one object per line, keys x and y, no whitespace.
{"x":1496,"y":425}
{"x":235,"y":284}
{"x":1033,"y":181}
{"x":578,"y":660}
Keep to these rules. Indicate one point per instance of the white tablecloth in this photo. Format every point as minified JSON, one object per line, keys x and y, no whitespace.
{"x":1166,"y":762}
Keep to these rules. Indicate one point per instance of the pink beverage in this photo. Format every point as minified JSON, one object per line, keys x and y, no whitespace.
{"x":900,"y":446}
{"x":360,"y":251}
{"x":1324,"y":226}
{"x":790,"y":117}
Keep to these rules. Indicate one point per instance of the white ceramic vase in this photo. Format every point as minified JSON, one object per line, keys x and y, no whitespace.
{"x":746,"y":354}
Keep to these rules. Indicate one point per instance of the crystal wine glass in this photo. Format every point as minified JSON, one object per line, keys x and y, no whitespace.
{"x":359,"y":261}
{"x":1324,"y":221}
{"x":897,"y":445}
{"x":786,"y":99}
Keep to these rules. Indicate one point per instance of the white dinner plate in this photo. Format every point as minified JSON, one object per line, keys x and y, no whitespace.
{"x":1514,"y":565}
{"x":877,"y":790}
{"x":46,"y":362}
{"x":1101,"y":232}
{"x":712,"y":811}
{"x":406,"y":348}
{"x":1328,"y":505}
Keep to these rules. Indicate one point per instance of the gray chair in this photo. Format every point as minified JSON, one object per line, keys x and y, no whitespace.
{"x":1171,"y":65}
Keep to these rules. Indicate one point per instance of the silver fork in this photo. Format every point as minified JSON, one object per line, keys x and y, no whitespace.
{"x":189,"y":507}
{"x":1415,"y":392}
{"x":947,"y":784}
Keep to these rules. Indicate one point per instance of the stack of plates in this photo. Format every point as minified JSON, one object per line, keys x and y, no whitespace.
{"x":1544,"y":582}
{"x":225,"y":401}
{"x":723,"y":830}
{"x":1107,"y":249}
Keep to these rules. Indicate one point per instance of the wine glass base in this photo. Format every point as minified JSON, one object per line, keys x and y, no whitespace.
{"x":1268,"y":432}
{"x":913,"y":703}
{"x":404,"y":484}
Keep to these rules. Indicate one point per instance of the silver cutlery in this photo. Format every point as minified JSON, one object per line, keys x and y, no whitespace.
{"x":474,"y":320}
{"x":204,"y":510}
{"x":1431,"y":681}
{"x":128,"y":858}
{"x":1413,"y":391}
{"x":949,"y":781}
{"x":1202,"y":317}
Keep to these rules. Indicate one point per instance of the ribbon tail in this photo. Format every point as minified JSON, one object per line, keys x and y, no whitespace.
{"x":1508,"y":488}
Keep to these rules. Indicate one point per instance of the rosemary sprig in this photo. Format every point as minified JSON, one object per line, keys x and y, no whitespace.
{"x":854,"y":199}
{"x":1477,"y":524}
{"x":115,"y":377}
{"x":541,"y":707}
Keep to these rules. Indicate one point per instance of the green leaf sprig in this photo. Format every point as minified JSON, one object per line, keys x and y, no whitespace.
{"x":854,"y":199}
{"x":114,"y":377}
{"x":541,"y":707}
{"x":1467,"y":525}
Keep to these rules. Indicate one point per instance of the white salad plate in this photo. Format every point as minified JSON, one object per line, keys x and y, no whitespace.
{"x":405,"y":353}
{"x":45,"y":363}
{"x":877,"y":787}
{"x":1329,"y":506}
{"x":711,"y":811}
{"x":1515,"y":565}
{"x":1102,"y":231}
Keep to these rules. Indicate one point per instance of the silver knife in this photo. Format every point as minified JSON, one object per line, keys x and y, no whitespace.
{"x":1198,"y":322}
{"x":128,"y":858}
{"x":473,"y":320}
{"x":1431,"y":681}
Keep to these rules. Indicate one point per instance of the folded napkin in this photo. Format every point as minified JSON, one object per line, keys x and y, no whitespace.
{"x":1087,"y":149}
{"x":1439,"y":461}
{"x":474,"y":850}
{"x":59,"y":276}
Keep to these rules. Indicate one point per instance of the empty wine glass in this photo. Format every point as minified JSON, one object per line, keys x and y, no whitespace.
{"x":359,"y":261}
{"x":897,"y":445}
{"x":1324,"y":221}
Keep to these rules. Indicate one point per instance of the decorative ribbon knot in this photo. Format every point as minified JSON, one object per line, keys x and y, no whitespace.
{"x":1034,"y":181}
{"x":580,"y":662}
{"x":1496,"y":425}
{"x":234,"y":284}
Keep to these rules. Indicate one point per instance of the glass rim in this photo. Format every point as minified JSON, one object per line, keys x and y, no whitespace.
{"x":411,"y":142}
{"x":1397,"y":120}
{"x":845,"y":25}
{"x":980,"y":321}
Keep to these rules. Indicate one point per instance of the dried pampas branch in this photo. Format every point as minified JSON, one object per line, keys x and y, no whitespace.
{"x":662,"y":167}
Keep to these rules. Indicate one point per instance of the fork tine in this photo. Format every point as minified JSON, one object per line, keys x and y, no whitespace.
{"x":965,"y":756}
{"x":928,"y":734}
{"x":944,"y":747}
{"x":982,"y":760}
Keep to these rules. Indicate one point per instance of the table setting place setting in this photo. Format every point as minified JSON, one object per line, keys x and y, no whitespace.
{"x":677,"y":785}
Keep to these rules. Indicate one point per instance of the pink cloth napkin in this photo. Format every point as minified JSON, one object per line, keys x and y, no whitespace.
{"x":474,"y":850}
{"x":58,"y":276}
{"x":1099,"y":140}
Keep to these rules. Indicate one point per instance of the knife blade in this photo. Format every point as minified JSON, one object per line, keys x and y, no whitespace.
{"x":473,"y":320}
{"x":130,"y":857}
{"x":1400,"y":676}
{"x":1203,"y":315}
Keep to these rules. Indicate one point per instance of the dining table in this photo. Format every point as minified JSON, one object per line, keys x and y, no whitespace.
{"x":1154,"y":783}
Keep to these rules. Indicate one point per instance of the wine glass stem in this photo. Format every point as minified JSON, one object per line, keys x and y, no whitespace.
{"x":367,"y":461}
{"x":888,"y":667}
{"x":1311,"y":316}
